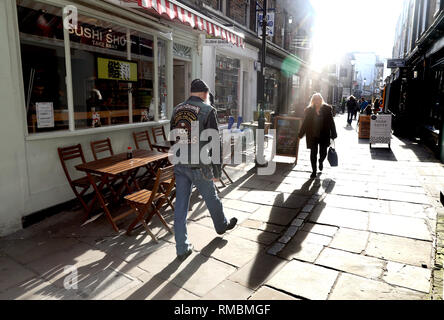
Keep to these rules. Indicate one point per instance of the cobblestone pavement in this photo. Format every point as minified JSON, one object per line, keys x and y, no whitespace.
{"x":364,"y":230}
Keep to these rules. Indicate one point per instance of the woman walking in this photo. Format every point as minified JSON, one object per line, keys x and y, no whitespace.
{"x":319,"y":127}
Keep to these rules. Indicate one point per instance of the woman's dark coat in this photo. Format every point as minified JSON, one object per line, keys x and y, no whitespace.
{"x":327,"y":126}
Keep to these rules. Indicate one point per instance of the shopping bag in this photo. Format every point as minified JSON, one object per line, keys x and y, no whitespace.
{"x":332,"y":156}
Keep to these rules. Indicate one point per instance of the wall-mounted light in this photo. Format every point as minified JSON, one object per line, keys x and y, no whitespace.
{"x":290,"y":19}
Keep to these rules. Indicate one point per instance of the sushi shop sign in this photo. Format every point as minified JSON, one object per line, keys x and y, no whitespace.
{"x":98,"y":37}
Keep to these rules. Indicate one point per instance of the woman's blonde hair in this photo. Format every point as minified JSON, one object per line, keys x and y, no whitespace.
{"x":316,"y":95}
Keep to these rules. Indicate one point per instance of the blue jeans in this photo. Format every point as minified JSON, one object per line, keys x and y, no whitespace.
{"x":202,"y":179}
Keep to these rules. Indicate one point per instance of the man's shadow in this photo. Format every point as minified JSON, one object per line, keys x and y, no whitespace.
{"x":260,"y":271}
{"x":174,"y":285}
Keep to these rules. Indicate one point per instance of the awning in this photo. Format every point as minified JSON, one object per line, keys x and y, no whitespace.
{"x":174,"y":10}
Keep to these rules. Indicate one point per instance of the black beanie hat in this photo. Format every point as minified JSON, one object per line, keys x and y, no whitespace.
{"x":198,"y":85}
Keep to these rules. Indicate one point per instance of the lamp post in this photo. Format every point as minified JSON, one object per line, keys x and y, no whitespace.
{"x":261,"y":118}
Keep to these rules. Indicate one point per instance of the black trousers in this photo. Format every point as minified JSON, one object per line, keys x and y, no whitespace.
{"x":314,"y":154}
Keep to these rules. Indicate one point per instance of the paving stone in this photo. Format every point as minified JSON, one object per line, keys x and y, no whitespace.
{"x":274,"y":215}
{"x":340,"y":217}
{"x":240,"y":205}
{"x":269,"y":198}
{"x":236,"y":194}
{"x":320,"y":229}
{"x":266,"y":294}
{"x":305,"y":251}
{"x":357,"y":203}
{"x":284,"y":239}
{"x":156,"y":288}
{"x":351,"y":287}
{"x":303,"y":215}
{"x":399,"y":226}
{"x":350,"y":240}
{"x":107,"y":284}
{"x":352,"y":263}
{"x":228,"y":290}
{"x":27,"y":250}
{"x":404,"y":250}
{"x":291,"y":231}
{"x":236,"y":251}
{"x":404,"y":196}
{"x":259,"y":236}
{"x":38,"y":289}
{"x":297,"y":222}
{"x":275,"y":248}
{"x":410,"y":277}
{"x":256,"y":272}
{"x":200,"y":236}
{"x":253,"y":224}
{"x":304,"y":280}
{"x":303,"y":236}
{"x":12,"y":273}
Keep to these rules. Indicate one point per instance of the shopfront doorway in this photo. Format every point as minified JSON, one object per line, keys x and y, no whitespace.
{"x":182,"y":79}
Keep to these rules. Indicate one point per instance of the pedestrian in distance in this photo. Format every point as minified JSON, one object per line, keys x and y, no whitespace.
{"x":376,"y":106}
{"x":196,"y":108}
{"x":352,"y":105}
{"x":319,"y":127}
{"x":363,"y":104}
{"x":344,"y":102}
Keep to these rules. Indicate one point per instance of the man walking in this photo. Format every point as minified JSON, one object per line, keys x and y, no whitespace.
{"x":351,"y":108}
{"x":196,"y":111}
{"x":363,"y":104}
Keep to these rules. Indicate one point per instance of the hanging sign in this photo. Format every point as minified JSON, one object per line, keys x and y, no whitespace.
{"x":111,"y":69}
{"x":45,"y":114}
{"x":269,"y":21}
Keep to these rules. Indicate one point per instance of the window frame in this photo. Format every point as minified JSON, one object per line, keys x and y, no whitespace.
{"x":124,"y":22}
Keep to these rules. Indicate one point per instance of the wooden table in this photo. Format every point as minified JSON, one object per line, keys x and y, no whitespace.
{"x":118,"y":166}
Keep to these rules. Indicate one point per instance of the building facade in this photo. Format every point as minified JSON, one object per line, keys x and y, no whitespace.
{"x":415,"y":90}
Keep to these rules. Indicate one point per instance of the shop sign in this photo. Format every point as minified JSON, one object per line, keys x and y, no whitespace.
{"x":111,"y":69}
{"x":270,"y":23}
{"x":395,"y":63}
{"x":215,"y":42}
{"x":45,"y":114}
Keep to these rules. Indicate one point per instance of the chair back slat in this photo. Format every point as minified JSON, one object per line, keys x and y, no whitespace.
{"x":141,"y":137}
{"x":163,"y":174}
{"x":101,"y":146}
{"x":69,"y":153}
{"x":158,"y":132}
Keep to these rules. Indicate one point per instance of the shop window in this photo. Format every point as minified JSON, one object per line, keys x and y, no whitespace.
{"x":272,"y":77}
{"x":112,"y":72}
{"x":43,"y":66}
{"x":227,"y":88}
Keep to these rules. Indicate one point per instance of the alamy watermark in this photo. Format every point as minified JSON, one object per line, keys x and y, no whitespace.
{"x":193,"y":147}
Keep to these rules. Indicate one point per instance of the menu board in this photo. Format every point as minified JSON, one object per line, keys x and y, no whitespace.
{"x":287,"y":131}
{"x":381,"y":128}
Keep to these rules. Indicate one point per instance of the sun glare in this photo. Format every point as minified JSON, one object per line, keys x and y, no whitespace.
{"x":353,"y":26}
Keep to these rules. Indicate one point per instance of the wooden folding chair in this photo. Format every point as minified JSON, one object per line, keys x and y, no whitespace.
{"x":158,"y":132}
{"x":70,"y":153}
{"x":101,"y":146}
{"x":146,"y":203}
{"x":142,"y":136}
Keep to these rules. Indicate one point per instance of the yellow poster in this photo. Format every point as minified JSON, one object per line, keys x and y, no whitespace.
{"x":111,"y":69}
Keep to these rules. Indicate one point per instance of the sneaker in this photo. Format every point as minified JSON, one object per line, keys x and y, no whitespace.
{"x":182,"y":257}
{"x":321,"y":166}
{"x":230,"y":225}
{"x":313,"y":175}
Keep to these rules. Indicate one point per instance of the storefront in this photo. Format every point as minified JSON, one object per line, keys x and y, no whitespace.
{"x":232,"y":73}
{"x":107,"y":78}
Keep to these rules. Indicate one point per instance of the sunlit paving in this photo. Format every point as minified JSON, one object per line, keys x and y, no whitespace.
{"x":223,"y":150}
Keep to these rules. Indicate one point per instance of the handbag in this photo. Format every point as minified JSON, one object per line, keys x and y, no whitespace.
{"x":332,"y":156}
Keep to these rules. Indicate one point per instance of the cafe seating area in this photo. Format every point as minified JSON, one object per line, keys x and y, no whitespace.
{"x":142,"y":179}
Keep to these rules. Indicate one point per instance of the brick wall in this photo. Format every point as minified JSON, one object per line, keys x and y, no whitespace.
{"x":211,"y":3}
{"x":236,"y":10}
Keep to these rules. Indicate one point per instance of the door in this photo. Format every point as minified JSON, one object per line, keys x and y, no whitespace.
{"x":181,"y":78}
